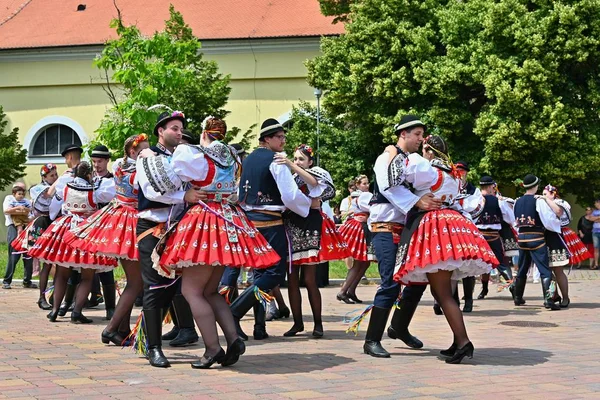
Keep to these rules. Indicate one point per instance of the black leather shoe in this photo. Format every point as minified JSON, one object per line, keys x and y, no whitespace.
{"x":284,"y":312}
{"x":260,"y":333}
{"x":52,"y":316}
{"x":172,"y":334}
{"x":344,"y":297}
{"x":468,"y":307}
{"x":565,"y":303}
{"x":449,"y":352}
{"x":186,"y":337}
{"x":408,"y":339}
{"x":207,"y":362}
{"x":465,"y":351}
{"x":64,"y":308}
{"x":374,"y":349}
{"x":109,"y":313}
{"x":112,"y":337}
{"x":157,"y":358}
{"x":437,"y":309}
{"x":318,"y":330}
{"x":234,"y":351}
{"x":79,"y":318}
{"x":354,"y":298}
{"x":239,"y":330}
{"x":295,"y":330}
{"x":482,"y":294}
{"x":43,"y":304}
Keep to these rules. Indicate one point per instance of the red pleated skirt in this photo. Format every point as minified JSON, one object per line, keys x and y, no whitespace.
{"x":578,"y":251}
{"x":445,"y":240}
{"x":204,"y":237}
{"x":52,"y":248}
{"x":109,"y":232}
{"x":21,"y":243}
{"x":353,"y":233}
{"x":333,"y":245}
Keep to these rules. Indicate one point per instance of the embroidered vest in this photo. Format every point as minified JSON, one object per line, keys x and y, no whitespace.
{"x":257,"y":185}
{"x":124,"y":185}
{"x":491,"y":213}
{"x":79,"y":199}
{"x":396,"y":172}
{"x":143,"y":202}
{"x":526,"y":214}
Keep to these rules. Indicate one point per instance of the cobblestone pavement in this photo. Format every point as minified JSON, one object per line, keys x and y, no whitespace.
{"x":559,"y":360}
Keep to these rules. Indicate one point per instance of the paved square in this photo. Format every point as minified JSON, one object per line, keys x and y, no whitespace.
{"x":42,"y":360}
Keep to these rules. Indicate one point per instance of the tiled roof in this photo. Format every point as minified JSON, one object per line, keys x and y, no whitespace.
{"x":51,"y":23}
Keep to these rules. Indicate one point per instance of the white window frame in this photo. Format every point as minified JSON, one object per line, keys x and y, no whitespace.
{"x":40,"y":126}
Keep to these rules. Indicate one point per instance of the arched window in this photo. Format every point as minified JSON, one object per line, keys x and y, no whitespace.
{"x":52,"y":140}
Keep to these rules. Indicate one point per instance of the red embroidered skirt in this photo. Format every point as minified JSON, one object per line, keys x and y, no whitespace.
{"x":53,"y":249}
{"x":205,"y":237}
{"x":353,"y":233}
{"x":578,"y":251}
{"x":444,"y":240}
{"x":109,"y":232}
{"x":25,"y":240}
{"x":333,"y":245}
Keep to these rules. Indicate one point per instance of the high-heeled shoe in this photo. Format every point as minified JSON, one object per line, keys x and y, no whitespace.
{"x":234,"y":351}
{"x":449,"y":352}
{"x":344,"y":297}
{"x":354,"y":298}
{"x":209,"y":361}
{"x":284,"y":312}
{"x":565,"y":303}
{"x":465,"y":351}
{"x":437,"y":309}
{"x":295,"y":330}
{"x":52,"y":315}
{"x":112,"y":337}
{"x":43,"y":304}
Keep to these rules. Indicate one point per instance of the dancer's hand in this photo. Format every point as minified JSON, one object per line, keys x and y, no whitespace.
{"x":428,"y":202}
{"x":194,"y":195}
{"x":281,"y":159}
{"x":146,"y":153}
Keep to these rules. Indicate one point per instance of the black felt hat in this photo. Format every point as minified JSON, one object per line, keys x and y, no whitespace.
{"x":486,"y":180}
{"x":407,"y":122}
{"x":270,"y":127}
{"x":530,"y":181}
{"x":169,"y":116}
{"x":71,"y":147}
{"x":239,"y":149}
{"x":189,"y":136}
{"x":101,"y":151}
{"x":462,"y":165}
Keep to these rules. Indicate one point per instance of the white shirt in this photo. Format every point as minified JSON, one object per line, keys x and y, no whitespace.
{"x":508,"y":215}
{"x":8,"y":218}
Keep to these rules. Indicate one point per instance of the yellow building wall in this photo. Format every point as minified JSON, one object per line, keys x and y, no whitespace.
{"x":264,"y":84}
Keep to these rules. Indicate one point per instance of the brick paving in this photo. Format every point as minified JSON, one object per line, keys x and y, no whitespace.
{"x":42,"y":360}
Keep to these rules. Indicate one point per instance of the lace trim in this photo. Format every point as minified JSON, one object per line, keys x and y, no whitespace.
{"x":221,"y":153}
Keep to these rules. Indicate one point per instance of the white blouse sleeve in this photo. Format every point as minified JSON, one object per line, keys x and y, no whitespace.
{"x":106,"y":191}
{"x":363,"y":201}
{"x":508,"y":215}
{"x":189,"y":164}
{"x":549,"y":218}
{"x":399,"y":196}
{"x":473,"y":203}
{"x":291,"y":195}
{"x":420,"y":173}
{"x":158,"y":181}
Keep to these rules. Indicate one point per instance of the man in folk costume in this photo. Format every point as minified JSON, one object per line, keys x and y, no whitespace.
{"x":266,"y":190}
{"x":533,"y":215}
{"x":495,"y":211}
{"x":155,"y":202}
{"x":100,"y":158}
{"x":391,"y":202}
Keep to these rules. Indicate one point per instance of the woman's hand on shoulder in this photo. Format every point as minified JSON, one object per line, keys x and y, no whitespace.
{"x":281,"y":159}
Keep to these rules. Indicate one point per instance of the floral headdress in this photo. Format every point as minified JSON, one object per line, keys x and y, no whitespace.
{"x":306,"y":148}
{"x":142,"y":137}
{"x":47,"y":168}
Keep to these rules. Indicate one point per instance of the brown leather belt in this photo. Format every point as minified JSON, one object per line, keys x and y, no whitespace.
{"x":267,"y":224}
{"x":392,"y":227}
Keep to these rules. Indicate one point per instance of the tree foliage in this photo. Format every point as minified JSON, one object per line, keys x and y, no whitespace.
{"x":513,"y":85}
{"x":166,"y":68}
{"x":341,"y":153}
{"x":12,"y":154}
{"x":336,"y":8}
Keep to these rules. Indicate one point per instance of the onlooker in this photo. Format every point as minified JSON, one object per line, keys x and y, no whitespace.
{"x":13,"y":259}
{"x":596,"y":230}
{"x":337,"y":215}
{"x":584,"y":229}
{"x":20,"y":220}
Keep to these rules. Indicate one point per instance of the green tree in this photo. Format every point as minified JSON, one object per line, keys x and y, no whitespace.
{"x":12,"y":154}
{"x":343,"y":154}
{"x":166,"y":68}
{"x":513,"y":85}
{"x":336,"y":8}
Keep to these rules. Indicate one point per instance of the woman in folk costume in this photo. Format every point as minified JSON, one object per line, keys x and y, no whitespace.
{"x":111,"y":232}
{"x":355,"y":232}
{"x":564,"y":249}
{"x":314,"y":239}
{"x":40,"y":200}
{"x":443,"y":245}
{"x":79,"y":200}
{"x":210,"y":236}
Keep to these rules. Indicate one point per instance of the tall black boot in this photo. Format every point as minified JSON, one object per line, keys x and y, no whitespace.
{"x":468,"y":287}
{"x":398,"y":329}
{"x":185,"y":319}
{"x":548,"y":303}
{"x":260,"y":324}
{"x":484,"y":289}
{"x":241,"y":306}
{"x":377,"y":322}
{"x":95,"y":294}
{"x":507,"y":275}
{"x":68,"y":300}
{"x":110,"y":299}
{"x":172,"y":334}
{"x":519,"y":290}
{"x":153,"y":324}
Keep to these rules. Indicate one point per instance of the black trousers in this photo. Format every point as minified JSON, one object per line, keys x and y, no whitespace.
{"x":153,"y":298}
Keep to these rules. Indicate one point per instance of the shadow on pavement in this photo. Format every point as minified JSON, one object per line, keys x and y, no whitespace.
{"x":523,"y":310}
{"x":294,"y":362}
{"x":501,"y":356}
{"x":584,"y":305}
